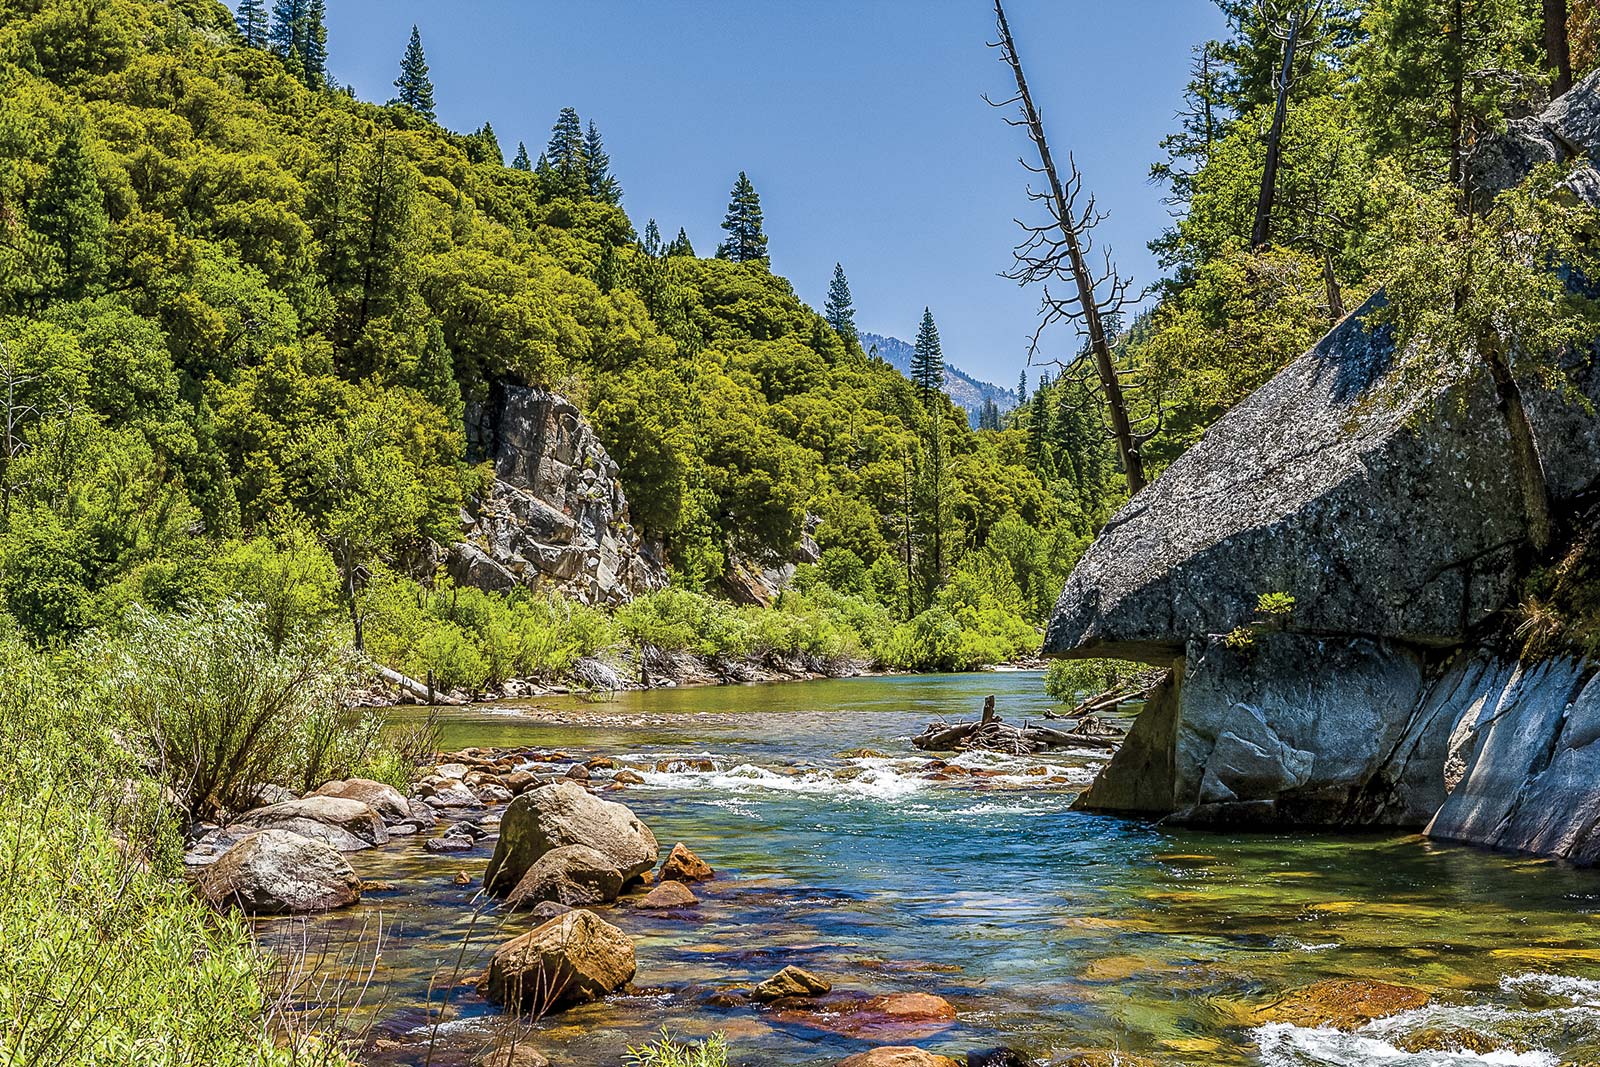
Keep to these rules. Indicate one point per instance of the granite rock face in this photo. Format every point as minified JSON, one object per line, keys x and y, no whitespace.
{"x":556,"y":517}
{"x":1383,"y":501}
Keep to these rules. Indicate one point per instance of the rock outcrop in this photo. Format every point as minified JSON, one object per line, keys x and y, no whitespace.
{"x":556,"y":517}
{"x":277,"y":872}
{"x":1383,"y":501}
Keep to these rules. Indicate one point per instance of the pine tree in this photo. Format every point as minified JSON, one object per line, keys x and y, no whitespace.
{"x":521,"y":162}
{"x":1022,"y":387}
{"x":650,"y":245}
{"x":484,"y":147}
{"x":927,"y":360}
{"x":567,"y":156}
{"x":288,"y":27}
{"x":546,"y":176}
{"x":746,"y":243}
{"x":680,"y":245}
{"x":603,"y":185}
{"x":416,"y":88}
{"x":69,"y":210}
{"x":314,"y":48}
{"x":436,"y":376}
{"x":840,"y":310}
{"x":252,"y":22}
{"x":299,"y":34}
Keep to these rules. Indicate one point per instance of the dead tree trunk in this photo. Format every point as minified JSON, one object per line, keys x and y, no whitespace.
{"x":1261,"y":232}
{"x":1557,"y":47}
{"x":1059,"y":250}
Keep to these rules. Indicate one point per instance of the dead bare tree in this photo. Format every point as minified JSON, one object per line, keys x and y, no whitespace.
{"x":1059,"y":250}
{"x":1287,"y":20}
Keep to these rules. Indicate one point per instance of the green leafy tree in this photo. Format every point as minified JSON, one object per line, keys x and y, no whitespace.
{"x":927,"y":361}
{"x":566,"y":158}
{"x":252,"y":22}
{"x":840,"y":310}
{"x":436,"y":377}
{"x":746,"y":242}
{"x":69,"y":211}
{"x":603,"y":185}
{"x":414,"y":86}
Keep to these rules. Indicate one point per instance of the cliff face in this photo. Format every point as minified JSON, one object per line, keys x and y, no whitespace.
{"x":1384,"y":503}
{"x":556,"y":517}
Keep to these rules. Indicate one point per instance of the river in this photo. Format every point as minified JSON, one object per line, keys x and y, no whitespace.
{"x":1050,"y":930}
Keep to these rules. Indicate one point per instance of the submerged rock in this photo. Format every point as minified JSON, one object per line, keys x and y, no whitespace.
{"x":668,"y":895}
{"x":898,"y":1056}
{"x":572,"y":875}
{"x":792,"y":981}
{"x":682,"y":865}
{"x":566,"y":814}
{"x":1342,"y":1004}
{"x":572,"y":959}
{"x":517,"y":1055}
{"x":277,"y":872}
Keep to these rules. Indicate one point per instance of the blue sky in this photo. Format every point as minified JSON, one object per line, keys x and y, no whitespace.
{"x":860,"y":122}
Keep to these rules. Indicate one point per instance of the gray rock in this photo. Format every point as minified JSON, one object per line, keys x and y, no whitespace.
{"x":556,"y":516}
{"x":384,"y":799}
{"x":276,"y":872}
{"x":572,"y":959}
{"x":573,"y":875}
{"x":450,"y":843}
{"x":564,"y":813}
{"x":347,"y":817}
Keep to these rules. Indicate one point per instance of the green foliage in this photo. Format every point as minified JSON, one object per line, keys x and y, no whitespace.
{"x":746,"y":243}
{"x":927,"y":361}
{"x":1071,"y":680}
{"x":1274,"y":605}
{"x":415,"y":88}
{"x":667,"y":1052}
{"x":840,"y":310}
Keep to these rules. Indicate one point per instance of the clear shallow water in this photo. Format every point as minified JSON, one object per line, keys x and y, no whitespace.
{"x":1051,"y":931}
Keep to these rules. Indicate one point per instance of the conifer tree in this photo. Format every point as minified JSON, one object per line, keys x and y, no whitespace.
{"x":567,"y":156}
{"x":746,"y":242}
{"x":300,"y":35}
{"x":416,"y":88}
{"x":314,"y":48}
{"x":252,"y":22}
{"x":650,"y":244}
{"x":840,"y":310}
{"x":680,"y":245}
{"x":484,"y":147}
{"x":603,"y":185}
{"x":1022,"y":387}
{"x":69,"y":210}
{"x":927,"y":360}
{"x":543,"y":172}
{"x":436,"y":376}
{"x":521,"y":162}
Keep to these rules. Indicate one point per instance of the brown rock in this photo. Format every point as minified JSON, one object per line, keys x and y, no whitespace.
{"x":669,"y":895}
{"x":911,"y":1007}
{"x":572,"y":875}
{"x":572,"y":959}
{"x":350,"y":817}
{"x":679,"y":766}
{"x":791,"y":982}
{"x":602,"y":763}
{"x":898,"y":1056}
{"x":627,"y":777}
{"x":684,"y":866}
{"x":1342,"y":1004}
{"x":560,"y":814}
{"x":384,"y":799}
{"x":578,"y":772}
{"x":1450,"y":1039}
{"x":514,"y":1055}
{"x":519,"y":782}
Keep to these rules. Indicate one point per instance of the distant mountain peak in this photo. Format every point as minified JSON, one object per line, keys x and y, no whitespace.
{"x":966,"y":391}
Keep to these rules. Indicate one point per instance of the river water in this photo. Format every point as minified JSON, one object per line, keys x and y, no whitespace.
{"x":1050,"y":930}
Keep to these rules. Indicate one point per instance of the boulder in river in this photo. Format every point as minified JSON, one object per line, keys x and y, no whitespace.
{"x":898,"y":1056}
{"x":666,"y":896}
{"x":277,"y":872}
{"x":349,"y":819}
{"x":385,"y":799}
{"x":792,"y":981}
{"x":518,"y":1054}
{"x":682,"y":865}
{"x":573,"y":875}
{"x":1342,"y":1004}
{"x":564,"y":813}
{"x":572,"y":959}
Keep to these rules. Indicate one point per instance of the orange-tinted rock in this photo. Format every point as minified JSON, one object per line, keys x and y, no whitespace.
{"x":683,"y":865}
{"x":627,"y":777}
{"x":791,"y":982}
{"x":1342,"y":1004}
{"x":898,"y":1056}
{"x":911,"y":1007}
{"x":669,"y":895}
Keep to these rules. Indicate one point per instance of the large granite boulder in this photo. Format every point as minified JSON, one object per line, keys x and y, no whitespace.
{"x":565,"y":813}
{"x":1375,"y":487}
{"x":573,"y":875}
{"x":341,"y":822}
{"x":277,"y":872}
{"x":385,"y":799}
{"x":556,"y":516}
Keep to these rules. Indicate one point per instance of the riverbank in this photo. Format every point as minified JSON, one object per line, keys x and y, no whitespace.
{"x":1054,"y":932}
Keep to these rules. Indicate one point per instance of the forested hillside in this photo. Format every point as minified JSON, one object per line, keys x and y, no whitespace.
{"x":244,"y":312}
{"x":967,"y":392}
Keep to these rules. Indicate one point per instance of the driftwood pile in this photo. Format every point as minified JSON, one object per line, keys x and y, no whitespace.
{"x":994,"y":734}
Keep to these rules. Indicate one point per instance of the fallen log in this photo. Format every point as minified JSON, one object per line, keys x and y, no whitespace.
{"x":417,"y":689}
{"x":993,"y":733}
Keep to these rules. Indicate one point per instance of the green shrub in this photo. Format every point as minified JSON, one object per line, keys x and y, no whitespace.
{"x":666,"y":1052}
{"x":1070,"y":680}
{"x":223,"y":711}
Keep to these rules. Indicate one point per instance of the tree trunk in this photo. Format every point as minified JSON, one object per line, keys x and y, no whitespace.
{"x":1261,"y":232}
{"x":1557,"y":48}
{"x":1335,"y":293}
{"x":1105,"y":366}
{"x":1458,"y":77}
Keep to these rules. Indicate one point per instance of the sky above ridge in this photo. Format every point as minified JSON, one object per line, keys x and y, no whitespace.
{"x":860,"y":122}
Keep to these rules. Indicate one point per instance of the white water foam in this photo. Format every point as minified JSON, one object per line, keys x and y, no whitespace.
{"x":1287,"y":1045}
{"x":881,"y":783}
{"x":1584,"y":992}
